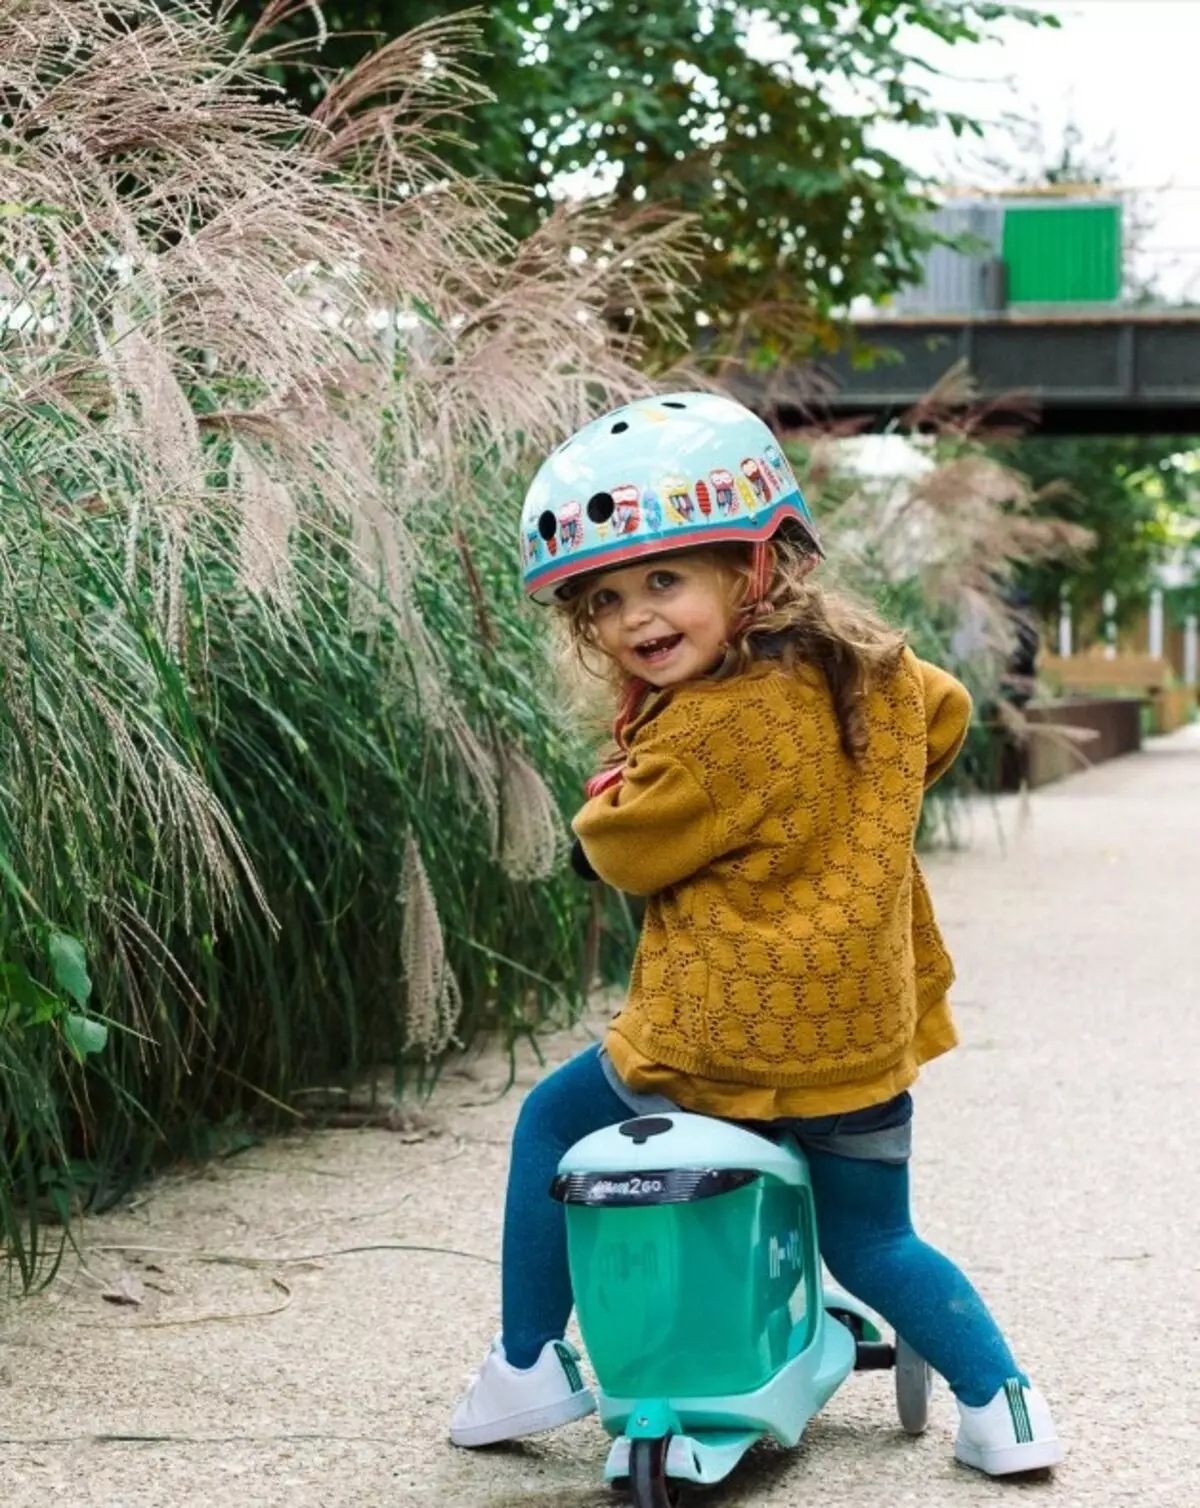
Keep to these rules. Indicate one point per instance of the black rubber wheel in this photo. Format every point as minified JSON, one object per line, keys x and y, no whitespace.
{"x":649,"y":1485}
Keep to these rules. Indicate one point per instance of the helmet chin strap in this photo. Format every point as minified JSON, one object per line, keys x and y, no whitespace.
{"x":762,"y":567}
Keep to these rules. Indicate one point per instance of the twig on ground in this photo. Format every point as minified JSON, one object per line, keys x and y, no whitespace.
{"x":372,"y":1118}
{"x":297,"y":1230}
{"x":237,"y":1259}
{"x":141,"y":1439}
{"x":206,"y":1319}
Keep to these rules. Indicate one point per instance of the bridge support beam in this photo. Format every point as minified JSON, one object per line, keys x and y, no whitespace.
{"x":1116,"y":372}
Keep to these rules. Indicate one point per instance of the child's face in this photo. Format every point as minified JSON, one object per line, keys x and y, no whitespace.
{"x":665,"y":621}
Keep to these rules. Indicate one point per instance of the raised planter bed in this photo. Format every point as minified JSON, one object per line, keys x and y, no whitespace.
{"x":1113,"y":726}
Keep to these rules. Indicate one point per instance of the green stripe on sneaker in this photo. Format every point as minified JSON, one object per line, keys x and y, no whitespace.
{"x":569,"y":1365}
{"x":1018,"y":1411}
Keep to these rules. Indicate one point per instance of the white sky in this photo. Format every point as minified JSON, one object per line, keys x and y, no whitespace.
{"x":1128,"y":70}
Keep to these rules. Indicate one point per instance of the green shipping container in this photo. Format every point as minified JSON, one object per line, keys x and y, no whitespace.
{"x":1063,"y":253}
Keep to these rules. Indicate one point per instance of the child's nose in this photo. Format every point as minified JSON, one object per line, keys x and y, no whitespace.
{"x":636,"y":611}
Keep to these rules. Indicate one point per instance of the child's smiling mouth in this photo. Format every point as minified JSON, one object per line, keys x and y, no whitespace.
{"x":654,"y":651}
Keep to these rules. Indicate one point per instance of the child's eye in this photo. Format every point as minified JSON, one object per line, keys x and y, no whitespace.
{"x":602,"y":599}
{"x":660,"y":581}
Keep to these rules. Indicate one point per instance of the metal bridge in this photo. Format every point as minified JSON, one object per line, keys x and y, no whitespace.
{"x":1111,"y":371}
{"x":1029,"y":291}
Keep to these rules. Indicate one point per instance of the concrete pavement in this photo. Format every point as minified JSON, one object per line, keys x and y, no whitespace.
{"x":285,"y":1353}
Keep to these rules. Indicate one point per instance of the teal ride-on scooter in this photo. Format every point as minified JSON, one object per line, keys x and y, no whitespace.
{"x":693,"y":1251}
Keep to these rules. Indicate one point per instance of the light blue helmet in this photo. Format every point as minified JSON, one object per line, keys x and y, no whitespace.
{"x":659,"y":474}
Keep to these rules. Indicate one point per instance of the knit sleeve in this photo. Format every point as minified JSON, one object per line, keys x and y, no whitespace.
{"x":653,"y":829}
{"x":947,"y":718}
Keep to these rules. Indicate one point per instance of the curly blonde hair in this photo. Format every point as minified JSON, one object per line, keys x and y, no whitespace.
{"x":795,"y":623}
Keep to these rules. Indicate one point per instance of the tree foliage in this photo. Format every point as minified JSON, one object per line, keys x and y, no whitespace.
{"x":763,"y":123}
{"x":1126,"y":489}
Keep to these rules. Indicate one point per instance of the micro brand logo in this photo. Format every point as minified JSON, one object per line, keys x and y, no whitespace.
{"x":786,"y":1253}
{"x":608,"y":1188}
{"x":620,"y":1263}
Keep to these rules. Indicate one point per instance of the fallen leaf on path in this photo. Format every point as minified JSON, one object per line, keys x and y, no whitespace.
{"x":126,"y":1290}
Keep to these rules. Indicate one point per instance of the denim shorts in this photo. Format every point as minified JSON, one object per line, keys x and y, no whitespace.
{"x":880,"y":1133}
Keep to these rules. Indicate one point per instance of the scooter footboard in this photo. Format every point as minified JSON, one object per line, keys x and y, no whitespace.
{"x":780,"y":1408}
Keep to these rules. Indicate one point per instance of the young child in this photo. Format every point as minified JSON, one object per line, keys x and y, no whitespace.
{"x":774,"y":747}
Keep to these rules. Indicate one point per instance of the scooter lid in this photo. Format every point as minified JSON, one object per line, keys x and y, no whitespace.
{"x":660,"y":1142}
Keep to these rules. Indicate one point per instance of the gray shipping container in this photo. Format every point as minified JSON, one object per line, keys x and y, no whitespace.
{"x":955,"y":282}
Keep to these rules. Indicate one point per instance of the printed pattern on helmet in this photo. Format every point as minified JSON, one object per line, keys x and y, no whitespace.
{"x":747,"y":494}
{"x":757,"y":477}
{"x":636,"y":511}
{"x":779,"y":468}
{"x":627,"y":511}
{"x":678,"y":497}
{"x":698,"y":464}
{"x":570,"y":526}
{"x":727,"y":498}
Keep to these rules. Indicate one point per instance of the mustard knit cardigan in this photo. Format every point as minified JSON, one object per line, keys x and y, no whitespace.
{"x":789,"y":963}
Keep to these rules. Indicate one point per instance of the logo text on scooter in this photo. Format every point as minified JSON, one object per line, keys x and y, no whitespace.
{"x":630,"y":1188}
{"x":788,"y":1252}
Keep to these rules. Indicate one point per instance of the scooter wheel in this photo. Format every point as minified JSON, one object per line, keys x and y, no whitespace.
{"x":649,"y":1486}
{"x":914,"y":1385}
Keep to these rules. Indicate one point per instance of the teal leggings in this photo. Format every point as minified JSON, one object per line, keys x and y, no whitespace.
{"x":865,"y":1229}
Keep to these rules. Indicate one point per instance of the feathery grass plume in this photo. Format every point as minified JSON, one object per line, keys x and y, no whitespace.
{"x":254,"y":366}
{"x":932,"y":531}
{"x":268,"y":516}
{"x":340,"y":292}
{"x":532,"y":836}
{"x":433,"y":998}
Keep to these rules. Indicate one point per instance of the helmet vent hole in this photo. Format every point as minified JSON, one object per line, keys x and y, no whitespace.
{"x":673,"y":403}
{"x":547,"y":525}
{"x":601,"y":507}
{"x":619,"y":427}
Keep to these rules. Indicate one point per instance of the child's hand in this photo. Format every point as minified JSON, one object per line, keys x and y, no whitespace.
{"x":602,"y":782}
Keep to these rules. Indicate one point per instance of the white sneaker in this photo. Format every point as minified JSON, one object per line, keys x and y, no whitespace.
{"x":1013,"y":1432}
{"x":504,"y":1402}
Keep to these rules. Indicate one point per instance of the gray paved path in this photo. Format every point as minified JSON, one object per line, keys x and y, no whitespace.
{"x":1057,"y":1160}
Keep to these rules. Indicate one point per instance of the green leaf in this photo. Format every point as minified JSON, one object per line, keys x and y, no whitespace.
{"x":83,"y":1035}
{"x":68,"y":964}
{"x":13,"y":880}
{"x":23,"y":1000}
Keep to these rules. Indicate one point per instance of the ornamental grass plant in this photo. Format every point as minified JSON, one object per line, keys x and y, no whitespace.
{"x":281,"y":766}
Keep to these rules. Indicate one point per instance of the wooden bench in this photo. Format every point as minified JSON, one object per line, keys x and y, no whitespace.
{"x":1147,"y":676}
